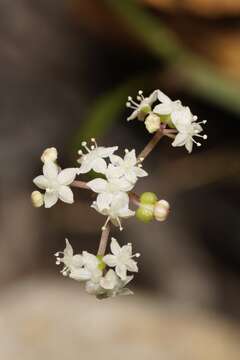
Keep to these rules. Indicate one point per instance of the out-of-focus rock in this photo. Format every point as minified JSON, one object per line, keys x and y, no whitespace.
{"x":42,"y":318}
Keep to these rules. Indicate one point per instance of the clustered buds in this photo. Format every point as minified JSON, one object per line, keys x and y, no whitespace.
{"x":150,"y":208}
{"x":106,"y":275}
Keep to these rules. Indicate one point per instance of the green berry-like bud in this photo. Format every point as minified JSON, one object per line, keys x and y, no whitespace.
{"x":148,"y":198}
{"x":145,"y":213}
{"x":101,"y":264}
{"x":166,"y":119}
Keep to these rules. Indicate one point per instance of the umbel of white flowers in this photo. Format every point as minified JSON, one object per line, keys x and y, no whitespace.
{"x":103,"y":276}
{"x":168,"y":113}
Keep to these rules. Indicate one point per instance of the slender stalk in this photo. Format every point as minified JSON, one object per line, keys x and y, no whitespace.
{"x":104,"y":240}
{"x":134,"y":198}
{"x":151,"y":145}
{"x":80,"y":184}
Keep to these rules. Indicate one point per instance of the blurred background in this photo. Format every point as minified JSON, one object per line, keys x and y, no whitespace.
{"x":66,"y":69}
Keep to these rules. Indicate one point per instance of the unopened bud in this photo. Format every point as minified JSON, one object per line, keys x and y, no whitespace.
{"x":152,"y":123}
{"x":145,"y":213}
{"x":37,"y":198}
{"x":148,"y":198}
{"x":50,"y":154}
{"x":161,"y":210}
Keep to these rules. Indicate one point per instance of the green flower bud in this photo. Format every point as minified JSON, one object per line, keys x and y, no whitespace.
{"x":148,"y":198}
{"x":145,"y":213}
{"x":101,"y":264}
{"x":166,"y":119}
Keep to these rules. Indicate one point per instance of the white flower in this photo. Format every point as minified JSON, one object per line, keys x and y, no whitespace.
{"x":187,"y":128}
{"x":128,"y":167}
{"x":117,"y":209}
{"x":167,"y":106}
{"x":90,"y":269}
{"x":49,"y":154}
{"x":141,"y":109}
{"x":71,"y":262}
{"x":113,"y":285}
{"x":121,"y":259}
{"x":55,"y":182}
{"x":94,"y":158}
{"x":108,"y":189}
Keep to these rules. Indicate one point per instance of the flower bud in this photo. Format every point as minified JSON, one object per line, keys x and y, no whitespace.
{"x":152,"y":123}
{"x":148,"y":198}
{"x":49,"y":154}
{"x":161,"y":210}
{"x":37,"y":198}
{"x":145,"y":213}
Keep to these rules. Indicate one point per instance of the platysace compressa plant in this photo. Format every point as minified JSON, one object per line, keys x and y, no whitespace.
{"x":106,"y":275}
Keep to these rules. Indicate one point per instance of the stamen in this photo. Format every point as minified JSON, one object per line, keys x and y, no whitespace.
{"x":126,"y":151}
{"x":80,"y":152}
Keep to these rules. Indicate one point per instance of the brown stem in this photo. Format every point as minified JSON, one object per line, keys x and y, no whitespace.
{"x":104,"y":240}
{"x":134,"y":198}
{"x":151,"y":145}
{"x":80,"y":184}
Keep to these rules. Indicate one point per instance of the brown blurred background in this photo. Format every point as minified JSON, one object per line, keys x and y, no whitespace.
{"x":66,"y":68}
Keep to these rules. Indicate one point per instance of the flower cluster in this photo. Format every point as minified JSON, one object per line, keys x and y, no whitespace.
{"x":120,"y":176}
{"x":167,"y":113}
{"x":106,"y":275}
{"x":92,"y":269}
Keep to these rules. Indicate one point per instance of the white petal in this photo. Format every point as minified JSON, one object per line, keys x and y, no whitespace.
{"x":126,"y":213}
{"x":114,"y":171}
{"x":80,"y":274}
{"x":50,"y":170}
{"x":189,"y":145}
{"x":50,"y":199}
{"x":121,"y":271}
{"x":179,"y":140}
{"x":85,"y":167}
{"x":140,"y":172}
{"x":104,"y":200}
{"x":99,"y":166}
{"x":130,"y":158}
{"x":106,"y":151}
{"x":116,"y":160}
{"x":68,"y":251}
{"x":115,"y":247}
{"x":98,"y":185}
{"x":132,"y":265}
{"x":153,"y":97}
{"x":163,"y":109}
{"x":90,"y":260}
{"x":66,"y":176}
{"x":110,"y":260}
{"x":133,"y":115}
{"x":41,"y":182}
{"x":109,"y":281}
{"x":163,"y":97}
{"x":65,"y":194}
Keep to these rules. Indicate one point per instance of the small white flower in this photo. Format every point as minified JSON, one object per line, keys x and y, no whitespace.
{"x":121,"y":259}
{"x":167,"y":106}
{"x":143,"y":107}
{"x":187,"y":128}
{"x":108,"y":189}
{"x":113,"y":285}
{"x":71,"y":262}
{"x":118,"y":208}
{"x":128,"y":168}
{"x":55,"y":183}
{"x":90,"y":269}
{"x":49,"y":154}
{"x":94,"y":158}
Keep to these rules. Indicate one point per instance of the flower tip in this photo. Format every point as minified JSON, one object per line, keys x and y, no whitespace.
{"x":205,"y":137}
